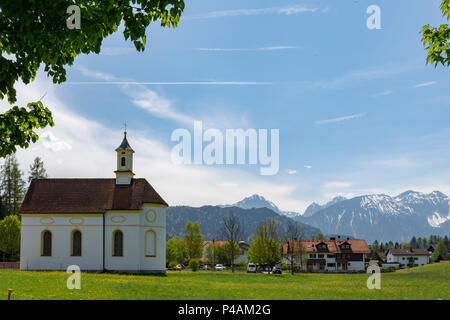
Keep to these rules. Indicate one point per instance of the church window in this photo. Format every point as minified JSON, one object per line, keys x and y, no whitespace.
{"x":76,"y":243}
{"x":123,"y":160}
{"x":118,"y":243}
{"x":46,"y":244}
{"x":150,"y":243}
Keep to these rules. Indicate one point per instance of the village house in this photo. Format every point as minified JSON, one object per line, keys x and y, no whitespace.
{"x":408,"y":257}
{"x":116,"y":225}
{"x":331,"y":255}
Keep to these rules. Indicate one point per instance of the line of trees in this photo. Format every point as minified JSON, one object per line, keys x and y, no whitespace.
{"x":442,"y":245}
{"x":414,"y":243}
{"x":12,"y":191}
{"x":189,"y":248}
{"x":266,"y":245}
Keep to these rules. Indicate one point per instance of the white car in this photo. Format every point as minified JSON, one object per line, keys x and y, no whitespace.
{"x":219,"y":267}
{"x":251,"y":268}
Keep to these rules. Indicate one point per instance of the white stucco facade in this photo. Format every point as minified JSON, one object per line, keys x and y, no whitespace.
{"x":112,"y":225}
{"x":141,"y":230}
{"x":407,"y":260}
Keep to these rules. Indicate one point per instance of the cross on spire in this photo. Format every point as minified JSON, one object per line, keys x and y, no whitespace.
{"x":125,"y":125}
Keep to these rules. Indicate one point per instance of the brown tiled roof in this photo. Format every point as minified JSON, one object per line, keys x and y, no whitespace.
{"x":87,"y":196}
{"x":356,"y":246}
{"x":409,"y":252}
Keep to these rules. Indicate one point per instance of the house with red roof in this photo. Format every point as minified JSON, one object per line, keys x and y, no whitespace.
{"x":331,"y":255}
{"x":408,"y":257}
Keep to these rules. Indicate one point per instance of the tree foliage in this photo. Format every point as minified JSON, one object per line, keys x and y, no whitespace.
{"x":10,"y":235}
{"x":228,"y":252}
{"x":436,"y":40}
{"x":37,"y":170}
{"x":265,"y":247}
{"x":441,"y":251}
{"x":12,"y":186}
{"x":213,"y":254}
{"x":193,"y":241}
{"x":194,"y":264}
{"x":17,"y":125}
{"x":35,"y":33}
{"x":174,"y":251}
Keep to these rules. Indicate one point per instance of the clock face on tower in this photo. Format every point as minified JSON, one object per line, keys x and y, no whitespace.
{"x":150,"y":215}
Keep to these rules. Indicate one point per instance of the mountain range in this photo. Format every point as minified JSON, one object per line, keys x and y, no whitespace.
{"x":370,"y":217}
{"x":210,"y":220}
{"x":373,"y":217}
{"x":385,"y":218}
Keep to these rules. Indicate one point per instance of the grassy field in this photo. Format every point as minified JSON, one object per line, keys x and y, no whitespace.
{"x":428,"y":282}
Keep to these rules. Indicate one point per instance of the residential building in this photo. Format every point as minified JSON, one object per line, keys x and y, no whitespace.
{"x":331,"y":255}
{"x":408,"y":257}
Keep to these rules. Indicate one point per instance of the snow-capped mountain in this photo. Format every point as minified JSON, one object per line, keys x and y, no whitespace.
{"x":314,"y":207}
{"x":383,"y":217}
{"x":257,"y":201}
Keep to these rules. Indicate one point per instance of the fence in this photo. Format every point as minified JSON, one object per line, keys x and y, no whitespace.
{"x":9,"y":265}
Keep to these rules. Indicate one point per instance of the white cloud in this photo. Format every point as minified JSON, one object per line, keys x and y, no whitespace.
{"x":291,"y":10}
{"x":108,"y":79}
{"x":425,"y":84}
{"x":291,"y":171}
{"x":340,"y":119}
{"x":308,"y":167}
{"x":91,"y":154}
{"x":144,"y":98}
{"x":384,"y":93}
{"x":155,"y":104}
{"x":51,"y":142}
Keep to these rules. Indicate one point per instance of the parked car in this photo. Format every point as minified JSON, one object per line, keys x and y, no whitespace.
{"x":178,"y":267}
{"x":251,"y":268}
{"x":219,"y":267}
{"x":276,"y":270}
{"x":205,"y":267}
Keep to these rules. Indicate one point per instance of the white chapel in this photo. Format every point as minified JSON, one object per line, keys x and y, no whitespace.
{"x":102,"y":225}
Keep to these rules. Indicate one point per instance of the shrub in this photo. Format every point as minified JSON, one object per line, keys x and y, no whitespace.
{"x":194,"y":264}
{"x":241,"y":266}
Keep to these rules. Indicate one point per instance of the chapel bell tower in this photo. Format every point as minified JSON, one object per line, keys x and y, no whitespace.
{"x":124,"y":172}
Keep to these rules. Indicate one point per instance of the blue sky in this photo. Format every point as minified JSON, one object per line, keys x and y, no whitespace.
{"x":358,"y":110}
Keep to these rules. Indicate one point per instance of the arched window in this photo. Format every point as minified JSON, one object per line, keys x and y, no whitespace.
{"x":122,"y":161}
{"x":150,"y":243}
{"x":118,"y":243}
{"x":76,"y":243}
{"x":46,"y":250}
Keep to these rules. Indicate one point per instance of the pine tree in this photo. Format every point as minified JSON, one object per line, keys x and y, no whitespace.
{"x":37,"y":170}
{"x":413,"y":243}
{"x":12,"y":186}
{"x":441,"y":251}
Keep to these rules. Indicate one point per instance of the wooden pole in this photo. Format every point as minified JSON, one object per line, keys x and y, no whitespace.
{"x":10,"y":291}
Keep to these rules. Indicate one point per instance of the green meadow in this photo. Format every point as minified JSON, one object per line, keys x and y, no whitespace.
{"x":427,"y":282}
